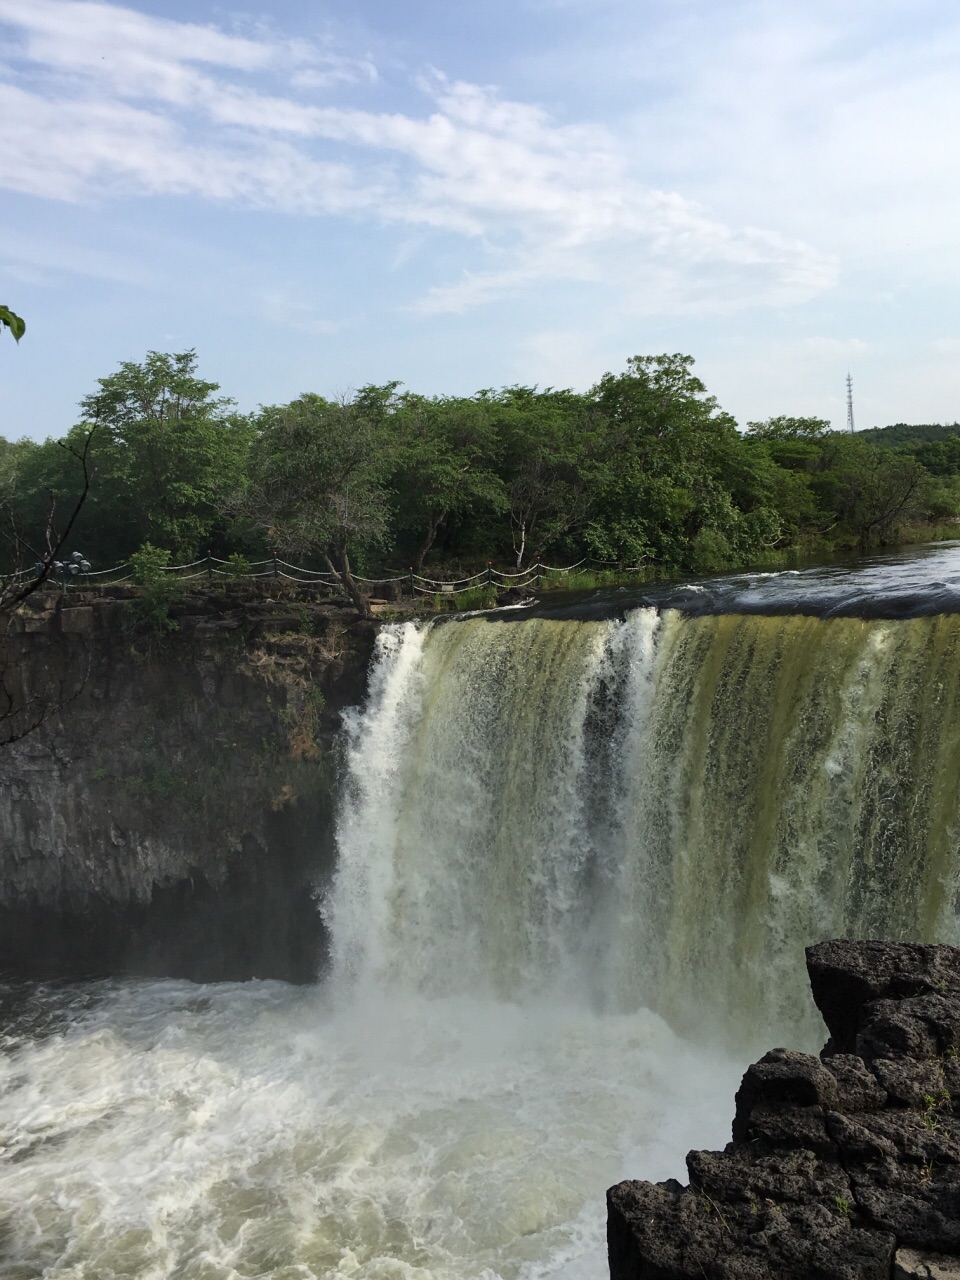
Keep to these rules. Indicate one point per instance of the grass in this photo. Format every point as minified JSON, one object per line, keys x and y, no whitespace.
{"x":588,"y":579}
{"x":911,"y":534}
{"x":482,"y":597}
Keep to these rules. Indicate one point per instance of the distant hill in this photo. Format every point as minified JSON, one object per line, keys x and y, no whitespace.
{"x":905,"y":433}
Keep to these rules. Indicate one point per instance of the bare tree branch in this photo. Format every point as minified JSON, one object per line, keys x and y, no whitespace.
{"x":22,"y":710}
{"x":13,"y":592}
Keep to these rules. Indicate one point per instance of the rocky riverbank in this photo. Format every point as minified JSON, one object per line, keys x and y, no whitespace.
{"x":172,"y":813}
{"x":842,"y":1167}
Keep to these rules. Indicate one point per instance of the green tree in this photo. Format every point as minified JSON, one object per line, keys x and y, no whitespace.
{"x":677,"y":485}
{"x":547,"y":450}
{"x":13,"y":454}
{"x":43,"y":492}
{"x":30,"y":556}
{"x":169,"y":454}
{"x":870,"y":490}
{"x":794,"y":448}
{"x":790,"y":429}
{"x":445,"y":473}
{"x":317,"y":480}
{"x":940,"y":457}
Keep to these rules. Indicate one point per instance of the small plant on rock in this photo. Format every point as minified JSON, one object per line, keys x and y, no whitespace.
{"x":159,"y":589}
{"x":932,"y":1104}
{"x":238,"y":566}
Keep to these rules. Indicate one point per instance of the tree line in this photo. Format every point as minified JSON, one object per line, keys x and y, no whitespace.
{"x":644,"y":468}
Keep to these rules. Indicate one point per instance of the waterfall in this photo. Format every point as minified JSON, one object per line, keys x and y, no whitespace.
{"x":659,"y":811}
{"x":579,"y":860}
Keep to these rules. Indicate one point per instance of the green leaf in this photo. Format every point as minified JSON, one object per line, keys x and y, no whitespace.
{"x":13,"y":322}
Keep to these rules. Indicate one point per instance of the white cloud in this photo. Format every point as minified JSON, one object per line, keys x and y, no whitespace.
{"x":111,"y":101}
{"x":835,"y":122}
{"x":99,"y":148}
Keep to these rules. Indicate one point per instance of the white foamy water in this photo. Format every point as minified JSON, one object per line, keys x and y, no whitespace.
{"x":211,"y":1133}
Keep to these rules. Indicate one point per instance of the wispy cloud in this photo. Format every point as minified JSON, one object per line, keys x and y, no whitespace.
{"x":283,"y":307}
{"x":103,"y":101}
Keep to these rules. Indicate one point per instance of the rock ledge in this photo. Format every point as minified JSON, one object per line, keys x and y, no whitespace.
{"x":842,"y":1167}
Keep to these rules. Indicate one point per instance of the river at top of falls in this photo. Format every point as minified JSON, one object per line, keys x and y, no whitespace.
{"x":579,"y":862}
{"x":906,"y":583}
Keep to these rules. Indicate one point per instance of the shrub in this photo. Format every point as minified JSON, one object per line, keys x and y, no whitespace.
{"x":159,"y":589}
{"x":150,"y":565}
{"x":237,"y":566}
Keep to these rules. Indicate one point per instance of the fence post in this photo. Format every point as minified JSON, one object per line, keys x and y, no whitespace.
{"x":489,"y":573}
{"x":209,"y":566}
{"x":413,"y":589}
{"x":276,"y":569}
{"x":538,"y":570}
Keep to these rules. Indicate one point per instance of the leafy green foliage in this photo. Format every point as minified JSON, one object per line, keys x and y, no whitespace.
{"x":790,"y":429}
{"x":550,"y":446}
{"x":237,"y":566}
{"x":169,"y":453}
{"x":149,"y":565}
{"x":445,"y":471}
{"x":868,"y":489}
{"x":159,"y":589}
{"x":10,"y":320}
{"x":909,"y":435}
{"x":317,"y":479}
{"x":940,"y":457}
{"x":677,"y":486}
{"x":645,"y":469}
{"x":481,"y":597}
{"x":12,"y":455}
{"x":166,"y":457}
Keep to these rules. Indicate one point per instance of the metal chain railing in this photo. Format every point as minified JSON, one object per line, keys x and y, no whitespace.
{"x":213,"y":568}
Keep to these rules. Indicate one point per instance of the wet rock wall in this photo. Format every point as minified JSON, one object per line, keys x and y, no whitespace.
{"x":172,"y":811}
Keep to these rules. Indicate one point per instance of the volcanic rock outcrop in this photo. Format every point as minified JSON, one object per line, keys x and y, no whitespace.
{"x":842,"y":1167}
{"x":172,"y":812}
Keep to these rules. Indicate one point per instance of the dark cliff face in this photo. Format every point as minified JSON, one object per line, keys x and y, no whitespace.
{"x":842,"y":1167}
{"x":173,"y":813}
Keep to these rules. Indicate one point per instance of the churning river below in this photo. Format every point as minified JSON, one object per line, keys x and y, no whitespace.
{"x":580,"y":854}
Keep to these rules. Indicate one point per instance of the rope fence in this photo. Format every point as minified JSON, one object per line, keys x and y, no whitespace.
{"x":211,"y":568}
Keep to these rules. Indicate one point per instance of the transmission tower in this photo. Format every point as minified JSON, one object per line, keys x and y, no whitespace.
{"x":850,"y":426}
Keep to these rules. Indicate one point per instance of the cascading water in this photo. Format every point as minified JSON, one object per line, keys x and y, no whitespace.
{"x":578,"y":861}
{"x":660,"y":811}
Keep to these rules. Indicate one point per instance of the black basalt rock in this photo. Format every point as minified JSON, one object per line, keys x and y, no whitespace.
{"x":848,"y":978}
{"x":842,"y":1167}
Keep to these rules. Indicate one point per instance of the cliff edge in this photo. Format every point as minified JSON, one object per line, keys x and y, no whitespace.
{"x":842,"y":1167}
{"x":172,"y":812}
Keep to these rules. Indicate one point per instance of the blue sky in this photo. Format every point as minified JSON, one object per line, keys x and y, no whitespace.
{"x":320,"y":195}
